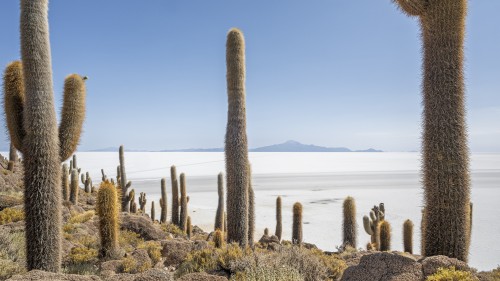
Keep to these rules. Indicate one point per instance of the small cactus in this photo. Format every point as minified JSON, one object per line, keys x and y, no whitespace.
{"x":218,"y":238}
{"x":266,"y":231}
{"x":371,"y":224}
{"x":189,"y":227}
{"x":142,"y":202}
{"x":107,"y":210}
{"x":349,"y":224}
{"x":175,"y":196}
{"x":104,"y":176}
{"x":163,"y":201}
{"x":279,"y":226}
{"x":87,"y":182}
{"x":74,"y":188}
{"x":153,"y":211}
{"x":408,"y":236}
{"x":65,"y":182}
{"x":219,"y":215}
{"x":297,"y":224}
{"x":385,"y":236}
{"x":184,"y":206}
{"x":124,"y":184}
{"x":131,"y":199}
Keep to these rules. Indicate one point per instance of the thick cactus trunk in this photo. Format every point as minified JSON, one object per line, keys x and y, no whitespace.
{"x":445,"y":152}
{"x":236,"y":146}
{"x":41,"y":146}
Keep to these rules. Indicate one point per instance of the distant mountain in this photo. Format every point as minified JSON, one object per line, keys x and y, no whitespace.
{"x":288,"y":146}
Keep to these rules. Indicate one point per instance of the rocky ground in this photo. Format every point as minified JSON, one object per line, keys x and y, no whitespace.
{"x":153,"y":251}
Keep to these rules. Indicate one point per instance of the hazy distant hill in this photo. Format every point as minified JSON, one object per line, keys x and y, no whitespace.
{"x":289,"y":146}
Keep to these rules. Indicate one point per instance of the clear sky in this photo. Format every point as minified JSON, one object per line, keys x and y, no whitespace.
{"x":324,"y":72}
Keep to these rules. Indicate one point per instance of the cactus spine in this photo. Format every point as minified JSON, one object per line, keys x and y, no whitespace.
{"x":175,"y":196}
{"x":189,"y":227}
{"x":65,"y":182}
{"x":32,"y":124}
{"x":153,"y":211}
{"x":163,"y":201}
{"x":219,"y":215}
{"x":74,"y":188}
{"x":236,"y":146}
{"x":107,"y":210}
{"x":251,"y":210}
{"x":124,"y":184}
{"x":142,"y":202}
{"x":349,"y":224}
{"x":297,"y":224}
{"x":279,"y":223}
{"x":408,"y":236}
{"x":385,"y":236}
{"x":184,"y":208}
{"x":445,"y":152}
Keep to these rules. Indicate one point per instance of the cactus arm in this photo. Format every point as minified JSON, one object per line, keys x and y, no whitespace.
{"x":412,"y":7}
{"x":72,"y":115}
{"x":83,"y":179}
{"x":13,"y":88}
{"x":129,"y":183}
{"x":367,"y":225}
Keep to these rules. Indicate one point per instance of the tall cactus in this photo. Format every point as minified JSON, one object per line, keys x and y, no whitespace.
{"x":65,"y":182}
{"x":32,"y":124}
{"x":163,"y":201}
{"x":131,"y":200}
{"x":446,"y":176}
{"x":175,"y":196}
{"x":371,"y":224}
{"x":236,"y":146}
{"x":385,"y":236}
{"x":184,"y":206}
{"x":74,"y":188}
{"x":124,"y":184}
{"x":408,"y":236}
{"x":349,"y":227}
{"x":251,"y":210}
{"x":219,"y":215}
{"x":297,"y":224}
{"x":107,"y":210}
{"x":142,"y":202}
{"x":279,"y":223}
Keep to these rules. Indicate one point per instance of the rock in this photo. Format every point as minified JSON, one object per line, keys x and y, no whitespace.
{"x":142,"y":226}
{"x":39,"y":275}
{"x":7,"y":201}
{"x":201,"y":276}
{"x":112,"y":265}
{"x":199,"y":245}
{"x":431,"y":264}
{"x":266,"y":239}
{"x":175,"y":251}
{"x":385,"y":266}
{"x":142,"y":258}
{"x":150,"y":275}
{"x":309,"y":246}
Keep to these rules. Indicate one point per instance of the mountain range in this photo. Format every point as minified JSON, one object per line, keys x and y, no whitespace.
{"x":288,"y":146}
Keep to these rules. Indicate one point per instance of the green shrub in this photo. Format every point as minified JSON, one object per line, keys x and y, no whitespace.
{"x":269,"y":274}
{"x":154,"y":250}
{"x":9,"y":215}
{"x":451,"y":274}
{"x":79,"y":255}
{"x":81,"y":218}
{"x":12,"y":253}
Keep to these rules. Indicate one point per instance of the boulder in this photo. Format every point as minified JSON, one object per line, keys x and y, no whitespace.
{"x":431,"y":264}
{"x":112,"y":265}
{"x":142,"y":226}
{"x":385,"y":266}
{"x":266,"y":239}
{"x":39,"y":275}
{"x":150,"y":275}
{"x":175,"y":251}
{"x":7,"y":201}
{"x":201,"y":276}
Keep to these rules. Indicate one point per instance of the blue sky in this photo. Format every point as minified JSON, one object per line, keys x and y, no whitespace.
{"x":331,"y":73}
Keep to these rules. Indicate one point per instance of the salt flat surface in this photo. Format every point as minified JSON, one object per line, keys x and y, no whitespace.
{"x":320,"y":181}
